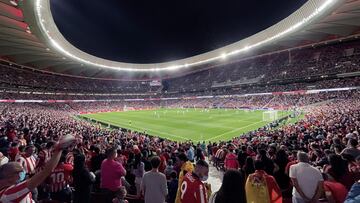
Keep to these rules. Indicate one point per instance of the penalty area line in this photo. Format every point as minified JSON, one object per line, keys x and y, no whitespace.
{"x":236,"y":129}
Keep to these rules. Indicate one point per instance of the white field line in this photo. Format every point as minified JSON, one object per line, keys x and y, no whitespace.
{"x":237,"y":129}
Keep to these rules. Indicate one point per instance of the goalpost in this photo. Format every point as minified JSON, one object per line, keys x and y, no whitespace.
{"x":270,"y":115}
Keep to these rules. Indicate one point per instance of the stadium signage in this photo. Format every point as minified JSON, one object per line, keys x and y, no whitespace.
{"x":185,"y":98}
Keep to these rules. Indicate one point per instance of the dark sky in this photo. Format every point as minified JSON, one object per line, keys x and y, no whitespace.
{"x":147,"y":31}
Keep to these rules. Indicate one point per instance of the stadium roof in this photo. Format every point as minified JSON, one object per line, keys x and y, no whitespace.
{"x":30,"y":37}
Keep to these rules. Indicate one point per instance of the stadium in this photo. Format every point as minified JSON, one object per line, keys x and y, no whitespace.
{"x":191,"y":102}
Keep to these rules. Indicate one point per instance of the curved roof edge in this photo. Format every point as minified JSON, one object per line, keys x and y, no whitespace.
{"x":311,"y":11}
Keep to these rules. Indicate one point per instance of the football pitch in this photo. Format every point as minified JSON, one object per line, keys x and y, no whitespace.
{"x":187,"y":124}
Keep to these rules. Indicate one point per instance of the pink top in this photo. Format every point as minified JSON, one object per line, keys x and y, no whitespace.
{"x":111,"y":173}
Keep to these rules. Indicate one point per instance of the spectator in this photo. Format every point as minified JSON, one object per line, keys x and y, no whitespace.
{"x":59,"y":180}
{"x":111,"y":174}
{"x":199,"y":153}
{"x":354,"y":193}
{"x":120,"y":196}
{"x":13,"y":151}
{"x":163,"y":164}
{"x":249,"y":167}
{"x":338,"y":171}
{"x":185,"y":167}
{"x":334,"y":191}
{"x":192,"y":188}
{"x":13,"y":188}
{"x":269,"y":164}
{"x":96,"y":160}
{"x":307,"y":180}
{"x":138,"y":170}
{"x":231,"y":161}
{"x":83,"y":180}
{"x":352,"y":148}
{"x":232,"y":189}
{"x":154,"y":185}
{"x":190,"y":154}
{"x":261,"y":187}
{"x":172,"y":187}
{"x":169,"y":169}
{"x":281,"y":161}
{"x":242,"y":155}
{"x":27,"y":160}
{"x":44,"y":155}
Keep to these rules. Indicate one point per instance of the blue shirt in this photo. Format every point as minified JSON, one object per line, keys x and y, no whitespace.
{"x":190,"y":154}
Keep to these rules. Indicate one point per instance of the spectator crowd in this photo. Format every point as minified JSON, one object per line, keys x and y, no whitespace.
{"x":317,"y":158}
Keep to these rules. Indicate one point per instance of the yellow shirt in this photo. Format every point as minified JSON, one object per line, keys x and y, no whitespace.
{"x":256,"y":190}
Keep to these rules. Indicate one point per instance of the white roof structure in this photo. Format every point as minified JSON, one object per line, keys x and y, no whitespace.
{"x":29,"y":37}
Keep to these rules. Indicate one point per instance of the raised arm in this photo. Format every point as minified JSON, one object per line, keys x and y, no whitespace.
{"x":40,"y":177}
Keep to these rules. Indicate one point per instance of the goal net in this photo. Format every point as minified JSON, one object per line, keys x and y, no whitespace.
{"x":270,"y":115}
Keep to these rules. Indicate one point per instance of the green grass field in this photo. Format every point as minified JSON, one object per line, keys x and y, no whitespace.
{"x":187,"y":124}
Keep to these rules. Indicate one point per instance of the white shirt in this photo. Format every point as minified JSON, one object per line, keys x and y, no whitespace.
{"x":155,"y":187}
{"x":308,"y":178}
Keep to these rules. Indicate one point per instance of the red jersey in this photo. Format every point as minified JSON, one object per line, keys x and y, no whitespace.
{"x":193,"y":190}
{"x":16,"y":193}
{"x":12,"y":152}
{"x":11,"y":135}
{"x":287,"y":168}
{"x":231,"y":161}
{"x":162,"y":164}
{"x":60,"y":177}
{"x":337,"y":190}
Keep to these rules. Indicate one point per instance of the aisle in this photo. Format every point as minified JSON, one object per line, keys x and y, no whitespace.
{"x":215,"y":178}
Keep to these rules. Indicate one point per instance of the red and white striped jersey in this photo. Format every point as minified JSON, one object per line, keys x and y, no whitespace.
{"x":28,"y":163}
{"x":60,"y":177}
{"x":192,"y":190}
{"x":70,"y":158}
{"x":16,"y":193}
{"x":219,"y":154}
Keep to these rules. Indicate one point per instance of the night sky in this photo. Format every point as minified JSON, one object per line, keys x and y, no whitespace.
{"x":151,"y":31}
